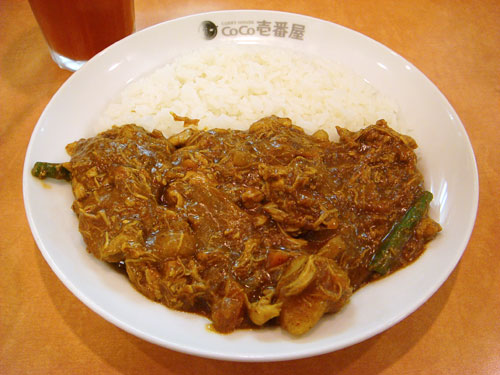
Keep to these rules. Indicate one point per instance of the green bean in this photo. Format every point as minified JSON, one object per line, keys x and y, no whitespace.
{"x":393,"y":243}
{"x":43,"y":170}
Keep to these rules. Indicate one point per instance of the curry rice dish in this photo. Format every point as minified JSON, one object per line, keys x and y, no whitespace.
{"x":269,"y":226}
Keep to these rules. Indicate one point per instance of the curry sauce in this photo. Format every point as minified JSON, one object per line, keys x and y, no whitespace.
{"x":249,"y":228}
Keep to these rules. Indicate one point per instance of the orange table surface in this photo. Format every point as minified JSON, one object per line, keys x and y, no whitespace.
{"x":44,"y":329}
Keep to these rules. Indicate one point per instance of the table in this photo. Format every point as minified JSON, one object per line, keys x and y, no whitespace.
{"x":44,"y":329}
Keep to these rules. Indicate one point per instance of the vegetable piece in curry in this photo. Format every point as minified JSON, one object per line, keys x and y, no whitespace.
{"x":251,"y":228}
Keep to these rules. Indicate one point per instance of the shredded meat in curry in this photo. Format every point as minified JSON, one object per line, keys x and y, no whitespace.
{"x":265,"y":226}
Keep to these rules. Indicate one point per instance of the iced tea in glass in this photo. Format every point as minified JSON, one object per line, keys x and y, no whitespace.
{"x":76,"y":30}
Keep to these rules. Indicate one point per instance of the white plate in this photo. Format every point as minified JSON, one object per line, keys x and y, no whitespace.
{"x":447,"y":161}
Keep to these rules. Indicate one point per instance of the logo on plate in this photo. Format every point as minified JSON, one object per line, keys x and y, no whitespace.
{"x":259,"y":28}
{"x":209,"y":29}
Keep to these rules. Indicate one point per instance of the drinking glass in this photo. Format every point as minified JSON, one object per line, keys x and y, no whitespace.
{"x":76,"y":30}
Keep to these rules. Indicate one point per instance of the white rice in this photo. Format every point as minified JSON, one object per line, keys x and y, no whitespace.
{"x":233,"y":86}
